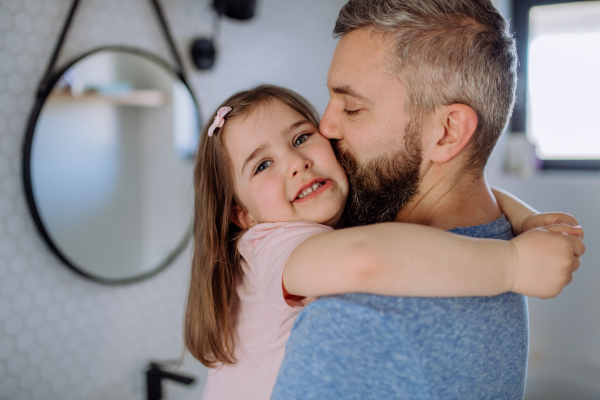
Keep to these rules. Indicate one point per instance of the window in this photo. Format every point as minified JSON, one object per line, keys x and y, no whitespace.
{"x":558,"y":97}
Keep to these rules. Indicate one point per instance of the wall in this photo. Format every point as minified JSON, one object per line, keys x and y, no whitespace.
{"x":64,"y":337}
{"x":564,"y":331}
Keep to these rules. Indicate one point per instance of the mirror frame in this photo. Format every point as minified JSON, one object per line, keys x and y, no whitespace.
{"x":41,"y":98}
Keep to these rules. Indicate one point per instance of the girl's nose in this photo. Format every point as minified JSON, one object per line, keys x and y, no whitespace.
{"x":299,"y":170}
{"x":299,"y":164}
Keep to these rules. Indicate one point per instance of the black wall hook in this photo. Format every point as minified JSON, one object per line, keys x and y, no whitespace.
{"x":236,"y":9}
{"x":203,"y":53}
{"x":204,"y":50}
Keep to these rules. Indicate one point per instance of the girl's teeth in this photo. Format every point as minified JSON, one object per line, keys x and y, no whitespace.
{"x":309,"y":190}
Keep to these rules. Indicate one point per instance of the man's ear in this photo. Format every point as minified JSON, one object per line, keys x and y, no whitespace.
{"x":241,"y":217}
{"x":459,"y":122}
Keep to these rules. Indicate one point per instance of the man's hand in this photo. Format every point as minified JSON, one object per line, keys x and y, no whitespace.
{"x":545,"y":259}
{"x":540,"y":220}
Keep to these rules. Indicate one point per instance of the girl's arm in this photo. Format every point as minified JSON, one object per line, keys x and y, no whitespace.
{"x":515,"y":210}
{"x":523,"y":218}
{"x":403,"y":259}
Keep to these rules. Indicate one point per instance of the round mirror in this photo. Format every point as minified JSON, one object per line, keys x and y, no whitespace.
{"x":108,"y":164}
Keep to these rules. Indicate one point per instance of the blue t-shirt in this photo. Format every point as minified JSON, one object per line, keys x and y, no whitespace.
{"x":363,"y":346}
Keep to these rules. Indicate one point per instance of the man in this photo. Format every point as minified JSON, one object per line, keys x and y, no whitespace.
{"x":420,"y":92}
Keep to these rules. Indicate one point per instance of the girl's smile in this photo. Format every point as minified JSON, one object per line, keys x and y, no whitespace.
{"x":284,"y":169}
{"x":313,"y":189}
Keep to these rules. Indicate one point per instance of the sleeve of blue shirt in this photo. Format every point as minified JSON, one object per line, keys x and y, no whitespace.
{"x":362,"y":346}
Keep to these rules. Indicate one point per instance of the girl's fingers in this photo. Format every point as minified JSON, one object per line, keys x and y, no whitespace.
{"x":570,"y":279}
{"x":576,"y":264}
{"x":578,"y":246}
{"x":572,"y":235}
{"x":566,"y":219}
{"x":578,"y":231}
{"x":564,"y":228}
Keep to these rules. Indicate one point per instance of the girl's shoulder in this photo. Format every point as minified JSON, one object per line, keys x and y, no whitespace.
{"x":277,"y":238}
{"x":260,"y":231}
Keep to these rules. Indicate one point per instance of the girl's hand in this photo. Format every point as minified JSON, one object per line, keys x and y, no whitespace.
{"x":545,"y":259}
{"x":545,"y":219}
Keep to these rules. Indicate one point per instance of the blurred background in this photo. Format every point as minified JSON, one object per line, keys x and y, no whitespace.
{"x":66,"y":337}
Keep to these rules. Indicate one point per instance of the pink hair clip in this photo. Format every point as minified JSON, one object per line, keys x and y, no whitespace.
{"x":219,"y":120}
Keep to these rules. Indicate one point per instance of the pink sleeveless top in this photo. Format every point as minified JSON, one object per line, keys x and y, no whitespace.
{"x":266,"y":314}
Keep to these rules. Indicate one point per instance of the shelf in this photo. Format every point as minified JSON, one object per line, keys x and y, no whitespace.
{"x":134,"y":98}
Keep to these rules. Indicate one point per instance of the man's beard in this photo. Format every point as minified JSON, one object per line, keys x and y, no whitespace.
{"x":381,"y":187}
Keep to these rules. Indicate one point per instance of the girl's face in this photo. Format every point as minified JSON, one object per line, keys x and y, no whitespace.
{"x":284,"y":169}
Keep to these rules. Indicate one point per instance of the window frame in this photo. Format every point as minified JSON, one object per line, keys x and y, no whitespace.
{"x":520,"y":25}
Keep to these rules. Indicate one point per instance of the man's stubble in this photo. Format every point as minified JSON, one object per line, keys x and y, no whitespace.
{"x":380,"y":188}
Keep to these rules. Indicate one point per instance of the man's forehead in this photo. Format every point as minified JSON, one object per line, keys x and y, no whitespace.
{"x":358,"y":54}
{"x":362,"y":42}
{"x":361,"y":70}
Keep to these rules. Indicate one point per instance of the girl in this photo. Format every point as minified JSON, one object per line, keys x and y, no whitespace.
{"x":269,"y":193}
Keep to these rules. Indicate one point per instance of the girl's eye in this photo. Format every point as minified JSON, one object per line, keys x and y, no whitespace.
{"x":262,"y":166}
{"x":351,"y":112}
{"x":301,"y":139}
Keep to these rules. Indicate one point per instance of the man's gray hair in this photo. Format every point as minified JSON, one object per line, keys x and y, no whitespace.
{"x":447,"y":51}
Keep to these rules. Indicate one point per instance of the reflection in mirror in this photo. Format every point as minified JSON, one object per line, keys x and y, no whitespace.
{"x":111,"y":165}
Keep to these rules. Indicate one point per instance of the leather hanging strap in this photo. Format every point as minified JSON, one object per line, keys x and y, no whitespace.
{"x":47,"y":78}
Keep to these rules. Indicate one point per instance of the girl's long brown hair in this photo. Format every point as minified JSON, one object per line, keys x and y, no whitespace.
{"x":213,"y":301}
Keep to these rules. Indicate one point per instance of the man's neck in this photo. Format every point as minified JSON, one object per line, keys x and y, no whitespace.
{"x":448,"y":202}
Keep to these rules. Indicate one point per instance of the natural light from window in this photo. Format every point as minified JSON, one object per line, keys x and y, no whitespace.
{"x":563,"y":102}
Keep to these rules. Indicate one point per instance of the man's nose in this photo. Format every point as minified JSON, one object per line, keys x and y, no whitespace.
{"x":329,"y":126}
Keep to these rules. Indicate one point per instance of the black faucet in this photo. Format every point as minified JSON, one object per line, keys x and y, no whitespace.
{"x":154,"y":376}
